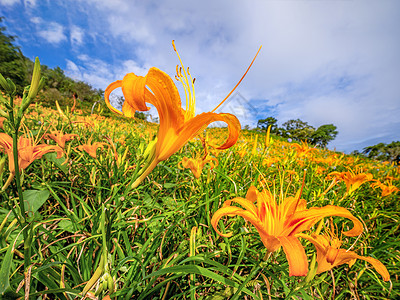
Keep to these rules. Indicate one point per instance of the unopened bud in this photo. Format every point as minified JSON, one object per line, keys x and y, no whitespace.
{"x":3,"y":83}
{"x":34,"y":88}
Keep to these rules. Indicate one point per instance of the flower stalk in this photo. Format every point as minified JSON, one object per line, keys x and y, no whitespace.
{"x":14,"y":117}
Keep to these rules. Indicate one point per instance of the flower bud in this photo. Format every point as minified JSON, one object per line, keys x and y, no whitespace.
{"x":34,"y":88}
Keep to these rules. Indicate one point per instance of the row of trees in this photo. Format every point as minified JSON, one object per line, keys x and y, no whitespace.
{"x":299,"y":130}
{"x":384,"y":152}
{"x":58,"y":86}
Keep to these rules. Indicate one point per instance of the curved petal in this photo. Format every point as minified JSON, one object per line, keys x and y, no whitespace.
{"x":134,"y":90}
{"x":295,"y":254}
{"x":379,"y":267}
{"x":234,"y":211}
{"x":304,"y":220}
{"x":233,"y":129}
{"x":6,"y":142}
{"x":320,"y":242}
{"x":171,"y":141}
{"x":107,"y":92}
{"x":166,"y":99}
{"x":246,"y":203}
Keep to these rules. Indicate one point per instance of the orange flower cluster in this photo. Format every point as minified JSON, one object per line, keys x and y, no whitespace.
{"x":281,"y":222}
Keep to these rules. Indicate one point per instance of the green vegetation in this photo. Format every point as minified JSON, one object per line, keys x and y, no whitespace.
{"x":73,"y":226}
{"x":298,"y":130}
{"x":57,"y":87}
{"x":384,"y":152}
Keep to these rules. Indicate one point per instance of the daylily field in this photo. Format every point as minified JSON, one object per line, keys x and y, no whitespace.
{"x":100,"y":205}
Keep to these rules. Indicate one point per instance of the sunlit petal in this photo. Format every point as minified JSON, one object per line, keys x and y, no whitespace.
{"x":303,"y":220}
{"x":295,"y":254}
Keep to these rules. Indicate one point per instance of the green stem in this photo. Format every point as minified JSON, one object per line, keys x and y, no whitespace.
{"x":27,"y":231}
{"x":103,"y":233}
{"x":147,"y":171}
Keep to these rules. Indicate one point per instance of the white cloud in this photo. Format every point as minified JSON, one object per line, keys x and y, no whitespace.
{"x":322,"y":61}
{"x":100,"y":73}
{"x":30,"y":3}
{"x":76,"y":35}
{"x":9,"y":2}
{"x":73,"y":69}
{"x":52,"y":32}
{"x":36,"y":20}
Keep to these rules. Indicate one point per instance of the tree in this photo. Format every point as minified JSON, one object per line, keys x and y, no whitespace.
{"x":247,"y":127}
{"x":12,"y":62}
{"x":263,"y":124}
{"x":140,"y":115}
{"x":323,"y":135}
{"x":298,"y":130}
{"x":384,"y":152}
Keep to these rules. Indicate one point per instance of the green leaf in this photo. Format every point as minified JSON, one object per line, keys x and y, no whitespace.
{"x":34,"y":199}
{"x":191,"y":269}
{"x":169,"y":185}
{"x":5,"y":270}
{"x":66,"y":225}
{"x":59,"y":162}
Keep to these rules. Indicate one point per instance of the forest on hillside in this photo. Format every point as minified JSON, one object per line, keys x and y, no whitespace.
{"x":58,"y":86}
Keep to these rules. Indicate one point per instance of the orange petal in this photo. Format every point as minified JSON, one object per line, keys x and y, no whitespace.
{"x":235,"y":211}
{"x":165,"y":97}
{"x":295,"y":254}
{"x":379,"y":267}
{"x":304,"y":220}
{"x":171,"y":141}
{"x":252,"y":194}
{"x":107,"y":92}
{"x":246,"y":203}
{"x":134,"y":90}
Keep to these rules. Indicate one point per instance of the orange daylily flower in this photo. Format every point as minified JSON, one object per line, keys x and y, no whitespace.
{"x":177,"y":125}
{"x":90,"y":148}
{"x":60,"y":138}
{"x":28,"y":151}
{"x":330,"y":255}
{"x":353,"y":180}
{"x":269,"y":161}
{"x":197,"y":164}
{"x":386,"y":189}
{"x":303,"y":149}
{"x":278,"y":223}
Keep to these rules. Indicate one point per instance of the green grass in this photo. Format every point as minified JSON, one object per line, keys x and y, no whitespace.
{"x":159,"y":240}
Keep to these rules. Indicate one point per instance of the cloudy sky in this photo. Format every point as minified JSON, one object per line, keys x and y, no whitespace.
{"x":322,"y":61}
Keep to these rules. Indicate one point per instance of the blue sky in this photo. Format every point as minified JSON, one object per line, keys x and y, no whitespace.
{"x":322,"y":61}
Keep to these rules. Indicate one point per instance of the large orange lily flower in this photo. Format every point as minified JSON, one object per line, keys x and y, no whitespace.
{"x":330,"y":255}
{"x":352,"y":179}
{"x":28,"y":151}
{"x":177,"y":125}
{"x":278,"y":223}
